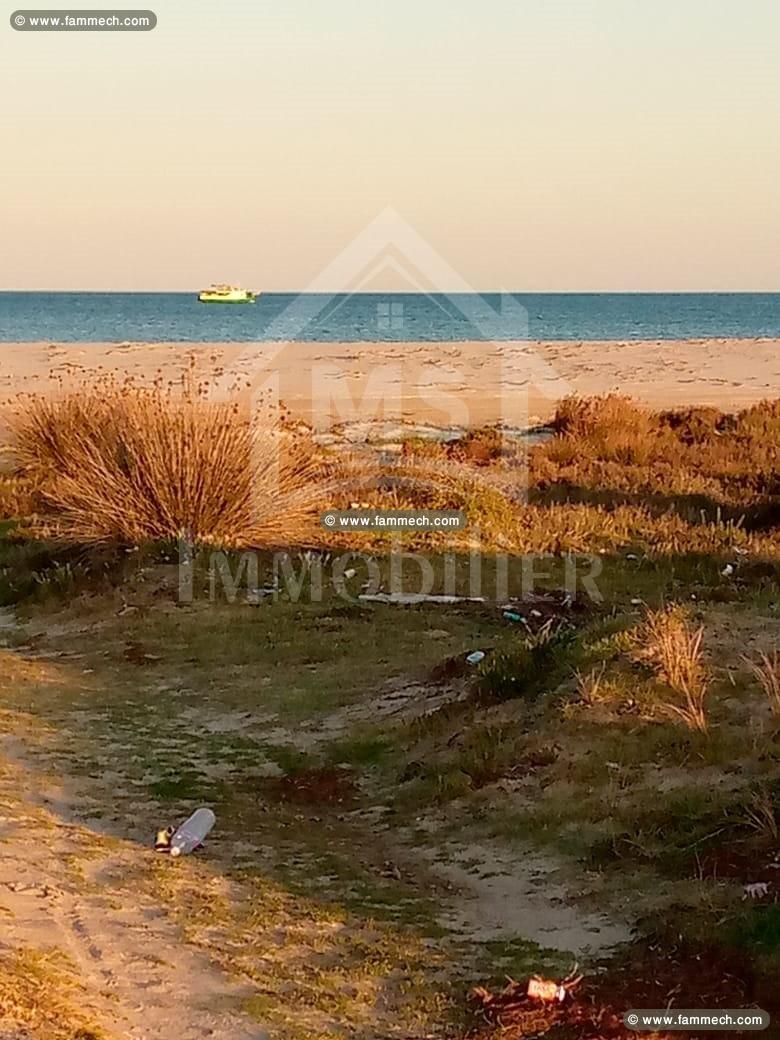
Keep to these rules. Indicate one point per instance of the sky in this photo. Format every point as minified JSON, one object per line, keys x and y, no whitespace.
{"x":535,"y":145}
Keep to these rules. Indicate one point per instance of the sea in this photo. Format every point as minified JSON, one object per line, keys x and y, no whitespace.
{"x":96,"y":317}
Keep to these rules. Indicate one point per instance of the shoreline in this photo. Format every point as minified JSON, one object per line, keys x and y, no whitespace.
{"x":456,"y":384}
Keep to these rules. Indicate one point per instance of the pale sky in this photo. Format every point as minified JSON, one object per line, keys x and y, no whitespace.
{"x":535,"y":144}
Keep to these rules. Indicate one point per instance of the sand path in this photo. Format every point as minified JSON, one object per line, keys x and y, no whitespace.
{"x":65,"y":888}
{"x":140,"y":980}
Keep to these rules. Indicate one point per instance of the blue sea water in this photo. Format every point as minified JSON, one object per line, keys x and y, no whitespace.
{"x":170,"y":317}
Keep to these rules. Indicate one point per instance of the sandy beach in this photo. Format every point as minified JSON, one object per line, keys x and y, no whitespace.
{"x":457,"y":384}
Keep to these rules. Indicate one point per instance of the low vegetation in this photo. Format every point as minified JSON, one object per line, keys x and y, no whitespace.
{"x":122,"y":463}
{"x":709,"y":457}
{"x":766,"y":670}
{"x":379,"y":793}
{"x":40,"y":998}
{"x":674,"y":649}
{"x":113,"y":462}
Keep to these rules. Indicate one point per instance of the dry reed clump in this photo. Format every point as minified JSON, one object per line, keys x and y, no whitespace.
{"x":766,"y":671}
{"x":673,"y":648}
{"x":119,"y":462}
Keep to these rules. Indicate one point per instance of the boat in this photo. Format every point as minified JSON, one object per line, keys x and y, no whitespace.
{"x":226,"y":294}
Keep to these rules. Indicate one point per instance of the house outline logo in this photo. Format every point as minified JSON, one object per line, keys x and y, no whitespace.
{"x":389,"y":242}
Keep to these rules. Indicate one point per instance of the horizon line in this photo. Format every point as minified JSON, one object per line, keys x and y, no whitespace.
{"x":420,"y":292}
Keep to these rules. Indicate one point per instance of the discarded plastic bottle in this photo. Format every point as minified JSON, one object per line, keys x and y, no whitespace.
{"x":192,"y":832}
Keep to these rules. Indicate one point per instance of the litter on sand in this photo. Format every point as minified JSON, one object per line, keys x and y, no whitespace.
{"x":756,"y":890}
{"x":547,"y":990}
{"x":475,"y":656}
{"x":192,"y":832}
{"x":410,"y":598}
{"x":188,"y":836}
{"x":162,"y":843}
{"x":517,"y":1002}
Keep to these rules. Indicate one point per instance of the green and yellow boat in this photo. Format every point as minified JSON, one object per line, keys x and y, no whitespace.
{"x":226,"y":294}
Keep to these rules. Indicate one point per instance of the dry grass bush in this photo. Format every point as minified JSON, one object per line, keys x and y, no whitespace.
{"x":673,"y":648}
{"x":611,"y":443}
{"x":766,"y":671}
{"x":482,"y":446}
{"x":591,"y":686}
{"x":761,"y":815}
{"x":423,"y":448}
{"x":118,"y":462}
{"x":489,"y":499}
{"x":593,"y":416}
{"x":499,"y":516}
{"x":696,"y":425}
{"x":760,"y":420}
